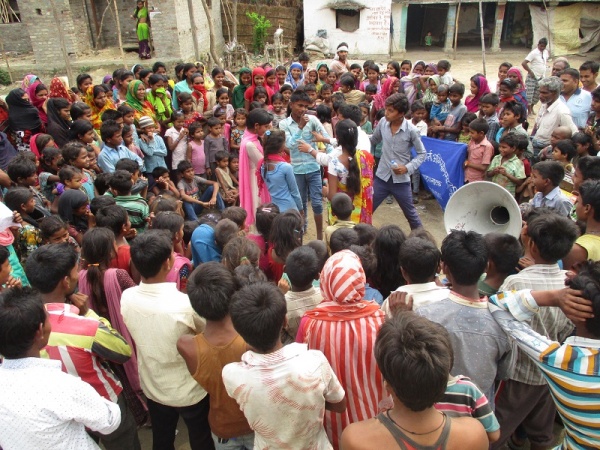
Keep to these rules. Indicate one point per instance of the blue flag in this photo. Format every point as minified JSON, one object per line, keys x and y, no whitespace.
{"x":442,"y":171}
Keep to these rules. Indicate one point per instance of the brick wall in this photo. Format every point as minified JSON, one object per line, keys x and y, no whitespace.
{"x":108,"y":34}
{"x":15,"y":37}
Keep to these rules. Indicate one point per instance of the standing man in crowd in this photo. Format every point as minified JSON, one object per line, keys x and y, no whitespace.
{"x":340,"y":63}
{"x":578,"y":100}
{"x":535,"y":65}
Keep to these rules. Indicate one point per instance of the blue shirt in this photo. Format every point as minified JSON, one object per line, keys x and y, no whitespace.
{"x":397,"y":147}
{"x":109,"y":157}
{"x":555,"y":200}
{"x":283,"y":188}
{"x":303,"y":163}
{"x":154,"y":151}
{"x":580,"y":104}
{"x":204,"y":247}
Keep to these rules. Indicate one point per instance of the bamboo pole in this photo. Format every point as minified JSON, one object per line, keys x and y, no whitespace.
{"x":482,"y":36}
{"x":119,"y":37}
{"x":456,"y":28}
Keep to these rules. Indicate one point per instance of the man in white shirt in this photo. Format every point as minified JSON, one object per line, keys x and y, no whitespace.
{"x":578,"y":100}
{"x":535,"y":65}
{"x":41,"y":407}
{"x":157,"y":315}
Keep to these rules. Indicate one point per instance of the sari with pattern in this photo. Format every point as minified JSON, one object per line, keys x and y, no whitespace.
{"x":141,"y":107}
{"x":88,"y":98}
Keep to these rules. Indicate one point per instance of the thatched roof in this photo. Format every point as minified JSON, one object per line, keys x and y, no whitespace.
{"x":344,"y":4}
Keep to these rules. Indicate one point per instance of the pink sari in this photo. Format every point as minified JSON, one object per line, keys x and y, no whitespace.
{"x":250,"y":197}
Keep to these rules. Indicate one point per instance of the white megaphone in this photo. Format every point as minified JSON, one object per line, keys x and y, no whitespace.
{"x":483,"y":207}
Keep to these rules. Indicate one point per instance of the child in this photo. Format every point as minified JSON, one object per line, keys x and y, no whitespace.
{"x":502,"y":73}
{"x":332,"y":80}
{"x":479,"y":152}
{"x":213,"y":143}
{"x":465,"y":137}
{"x":22,"y":172}
{"x":281,"y":73}
{"x":563,"y":152}
{"x":326,"y":93}
{"x":162,"y":182}
{"x":190,"y":115}
{"x":223,"y":103}
{"x":50,"y":162}
{"x":558,"y":134}
{"x":369,"y":264}
{"x":510,"y":120}
{"x":584,"y":145}
{"x":140,"y":184}
{"x":546,"y":177}
{"x":116,"y":219}
{"x":74,"y":209}
{"x":324,"y":116}
{"x":261,"y":95}
{"x":53,"y":230}
{"x":265,"y":215}
{"x":364,"y":123}
{"x":286,"y":91}
{"x":302,"y":269}
{"x":372,"y":72}
{"x":311,"y":91}
{"x":526,"y":191}
{"x":227,"y":181}
{"x":113,"y":149}
{"x":154,"y":147}
{"x":506,"y":169}
{"x":352,"y":95}
{"x":452,"y":124}
{"x":419,"y":114}
{"x":177,"y":140}
{"x":439,"y":111}
{"x":504,"y":252}
{"x":443,"y":67}
{"x":195,"y":198}
{"x":428,"y":39}
{"x":295,"y":76}
{"x":487,"y":111}
{"x":75,"y":154}
{"x":120,"y":186}
{"x":356,"y":72}
{"x":129,"y":136}
{"x":70,"y":178}
{"x":28,"y":237}
{"x":237,"y":132}
{"x":278,"y":174}
{"x":370,"y":92}
{"x":271,"y":80}
{"x":341,"y":211}
{"x":234,"y":166}
{"x":195,"y":149}
{"x":301,"y":376}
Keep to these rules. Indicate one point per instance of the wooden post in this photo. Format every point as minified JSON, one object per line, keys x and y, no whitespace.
{"x":234,"y":19}
{"x":119,"y":37}
{"x":211,"y":32}
{"x":456,"y":28}
{"x":482,"y":35}
{"x":63,"y":44}
{"x":194,"y":30}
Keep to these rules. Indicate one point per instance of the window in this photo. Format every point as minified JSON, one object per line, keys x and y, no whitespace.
{"x":347,"y":19}
{"x":13,"y":12}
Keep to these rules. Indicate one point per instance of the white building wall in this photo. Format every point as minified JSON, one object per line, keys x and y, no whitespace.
{"x":372,"y":36}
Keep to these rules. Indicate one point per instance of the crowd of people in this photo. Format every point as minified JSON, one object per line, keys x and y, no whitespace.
{"x":153,"y":264}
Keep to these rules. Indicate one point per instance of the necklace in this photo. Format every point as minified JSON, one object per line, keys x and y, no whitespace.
{"x":415,"y":433}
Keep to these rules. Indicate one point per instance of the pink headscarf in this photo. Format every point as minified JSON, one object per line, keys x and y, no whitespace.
{"x":472,"y":103}
{"x":247,"y":177}
{"x":37,"y":102}
{"x":386,"y":91}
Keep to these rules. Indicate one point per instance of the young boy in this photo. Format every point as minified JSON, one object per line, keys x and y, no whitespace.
{"x":406,"y":345}
{"x":271,"y":378}
{"x":302,"y":269}
{"x":226,"y":179}
{"x":504,"y":252}
{"x":195,"y":197}
{"x":452,"y":125}
{"x":546,"y":177}
{"x":352,"y":96}
{"x":208,"y":242}
{"x":304,"y":59}
{"x":370,"y":92}
{"x":120,"y":187}
{"x":140,"y":183}
{"x":116,"y":219}
{"x":479,"y":151}
{"x":23,"y":173}
{"x":564,"y":151}
{"x":157,"y":315}
{"x":311,"y":91}
{"x":211,"y":289}
{"x":559,"y":134}
{"x":113,"y":149}
{"x":365,"y":125}
{"x":419,"y":114}
{"x":152,"y":146}
{"x":213,"y":143}
{"x":506,"y":169}
{"x":162,"y":182}
{"x":446,"y":77}
{"x":511,"y":118}
{"x":341,"y":211}
{"x":439,"y":111}
{"x":487,"y":110}
{"x":236,"y":214}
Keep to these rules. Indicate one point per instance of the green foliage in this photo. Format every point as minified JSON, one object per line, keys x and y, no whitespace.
{"x":85,"y":69}
{"x":259,"y":32}
{"x":4,"y":77}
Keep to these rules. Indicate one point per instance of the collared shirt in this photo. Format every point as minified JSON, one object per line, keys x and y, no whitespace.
{"x":572,"y":369}
{"x":109,"y":157}
{"x":478,"y":153}
{"x":549,"y":118}
{"x":494,"y":126}
{"x":514,"y":166}
{"x":82,"y":343}
{"x":303,"y":163}
{"x":580,"y":105}
{"x":421,"y":293}
{"x":555,"y":199}
{"x":154,"y":151}
{"x":43,"y":408}
{"x":397,"y":147}
{"x":156,"y":316}
{"x":285,"y":391}
{"x":550,"y":322}
{"x":537,"y":62}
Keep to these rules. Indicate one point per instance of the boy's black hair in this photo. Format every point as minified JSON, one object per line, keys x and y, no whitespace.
{"x":592,"y":66}
{"x":17,"y":196}
{"x":351,"y":112}
{"x":169,"y":221}
{"x":20,"y":168}
{"x":225,"y":230}
{"x":108,"y":129}
{"x":416,"y":106}
{"x":236,"y":214}
{"x":299,"y":96}
{"x":258,"y":313}
{"x":551,"y":170}
{"x":348,"y":81}
{"x":366,"y":233}
{"x":101,"y":183}
{"x":341,"y":206}
{"x":21,"y":314}
{"x":159,"y":172}
{"x":583,"y":139}
{"x":121,"y":182}
{"x":150,"y":250}
{"x":66,"y":173}
{"x":326,"y":87}
{"x":221,"y":155}
{"x":257,"y":105}
{"x":368,"y":261}
{"x":465,"y":254}
{"x":457,"y":88}
{"x":302,"y":266}
{"x":49,"y":265}
{"x":504,"y":251}
{"x":303,"y":57}
{"x":479,"y":125}
{"x":111,"y":114}
{"x":71,"y":150}
{"x":444,"y":64}
{"x":589,"y":167}
{"x":113,"y":217}
{"x":183,"y":166}
{"x":129,"y":165}
{"x":101,"y":201}
{"x":247,"y":274}
{"x":50,"y":225}
{"x":125,"y":109}
{"x":409,"y":344}
{"x":566,"y":147}
{"x":310,"y":87}
{"x":370,"y":89}
{"x":490,"y":99}
{"x":420,"y":259}
{"x":589,"y":192}
{"x":469,"y":117}
{"x":342,"y":239}
{"x":553,"y":235}
{"x":522,"y":141}
{"x":587,"y":280}
{"x":510,"y":139}
{"x":212,"y":122}
{"x":210,"y":288}
{"x":399,"y":102}
{"x":324,"y":113}
{"x":320,"y":249}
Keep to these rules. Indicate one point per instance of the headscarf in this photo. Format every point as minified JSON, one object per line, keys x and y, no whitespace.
{"x":59,"y":89}
{"x":199,"y":90}
{"x":88,"y":98}
{"x":58,"y":127}
{"x":472,"y":103}
{"x":22,"y":115}
{"x":432,"y":67}
{"x":386,"y":91}
{"x":38,"y":102}
{"x":237,"y":98}
{"x":141,"y":107}
{"x":290,"y":80}
{"x":429,"y":95}
{"x":28,"y":80}
{"x":319,"y":82}
{"x":249,"y":94}
{"x":69,"y":201}
{"x":521,"y":94}
{"x":343,"y":283}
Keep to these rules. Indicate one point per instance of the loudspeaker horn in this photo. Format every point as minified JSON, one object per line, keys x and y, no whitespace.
{"x":483,"y":207}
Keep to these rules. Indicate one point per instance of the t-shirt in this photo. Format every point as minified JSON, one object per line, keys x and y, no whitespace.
{"x":212,"y":145}
{"x":455,"y":115}
{"x":537,"y":62}
{"x":194,"y":188}
{"x":481,"y":153}
{"x":178,"y":154}
{"x":514,"y":166}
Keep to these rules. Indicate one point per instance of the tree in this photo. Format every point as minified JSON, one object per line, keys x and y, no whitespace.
{"x":211,"y":32}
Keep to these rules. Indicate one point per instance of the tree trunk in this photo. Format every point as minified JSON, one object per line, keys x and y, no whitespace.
{"x":211,"y":32}
{"x":234,"y":19}
{"x":119,"y":37}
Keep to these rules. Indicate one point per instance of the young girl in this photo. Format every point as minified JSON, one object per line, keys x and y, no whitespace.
{"x":261,"y":95}
{"x":583,"y":144}
{"x":129,"y":142}
{"x":190,"y":115}
{"x":278,"y":109}
{"x":226,"y":179}
{"x":39,"y":142}
{"x":74,"y":209}
{"x":75,"y":154}
{"x":271,"y":80}
{"x":265,"y":215}
{"x":245,"y":79}
{"x":479,"y":87}
{"x":82,"y":131}
{"x":520,"y":92}
{"x":285,"y":236}
{"x":277,"y":174}
{"x":223,"y":104}
{"x":218,"y":77}
{"x":258,"y":80}
{"x":50,"y":162}
{"x":311,"y":76}
{"x":372,"y":78}
{"x":27,"y":237}
{"x":286,"y":91}
{"x":322,"y":71}
{"x":324,"y":116}
{"x":195,"y":149}
{"x":281,"y":73}
{"x":237,"y":132}
{"x":234,"y":166}
{"x":121,"y":82}
{"x":295,"y":77}
{"x":226,"y":126}
{"x":440,"y":109}
{"x":364,"y":123}
{"x":332,"y":80}
{"x":177,"y":137}
{"x":502,"y":73}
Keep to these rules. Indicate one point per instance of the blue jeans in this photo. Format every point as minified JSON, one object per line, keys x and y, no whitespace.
{"x":311,"y":184}
{"x":192,"y":210}
{"x":245,"y":442}
{"x":403,"y":195}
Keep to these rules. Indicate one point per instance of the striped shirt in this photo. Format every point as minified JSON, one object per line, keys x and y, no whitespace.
{"x":572,"y":369}
{"x":137,"y":209}
{"x":81,"y":343}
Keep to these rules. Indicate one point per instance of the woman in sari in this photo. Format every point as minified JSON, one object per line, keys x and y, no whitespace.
{"x":160,"y":100}
{"x":479,"y":87}
{"x":355,"y":323}
{"x":245,"y":77}
{"x":28,"y":80}
{"x":390,"y":86}
{"x":59,"y":88}
{"x":143,"y":28}
{"x":520,"y":93}
{"x":136,"y":98}
{"x":433,"y":82}
{"x":351,"y":171}
{"x":23,"y":119}
{"x":97,"y":99}
{"x":38,"y":94}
